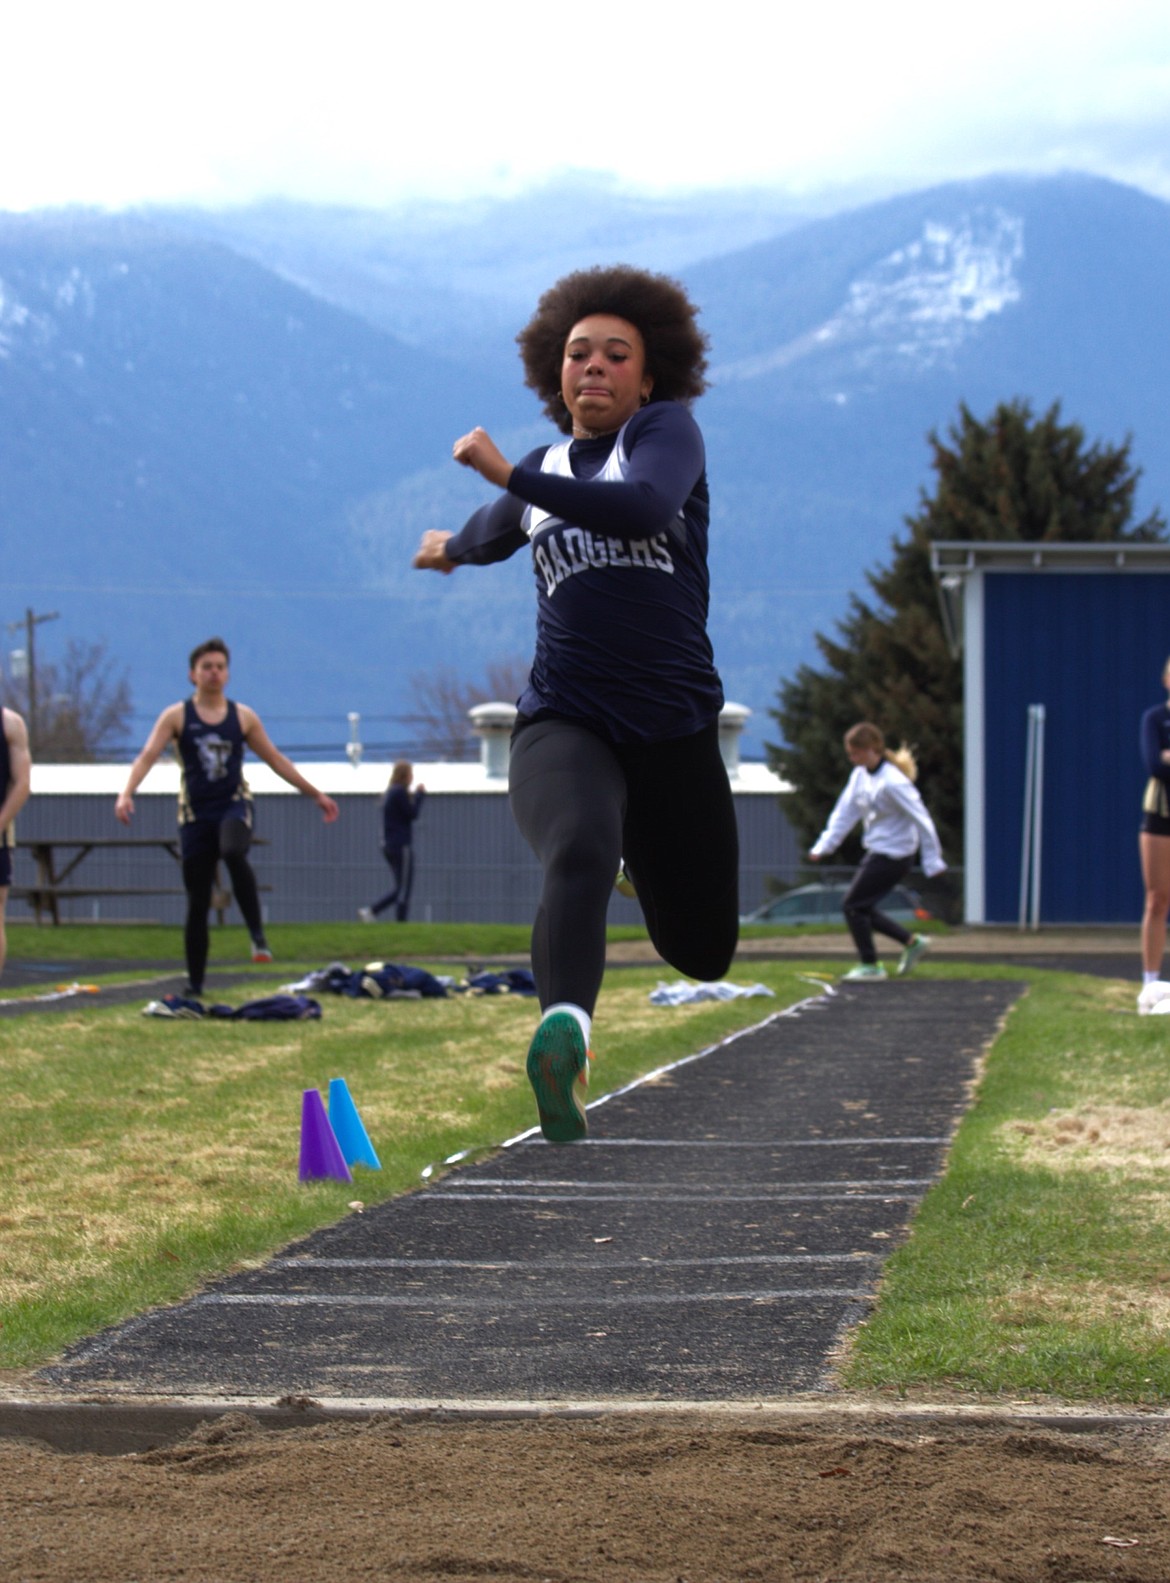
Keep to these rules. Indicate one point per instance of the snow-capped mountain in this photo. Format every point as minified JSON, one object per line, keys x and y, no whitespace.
{"x":914,"y":309}
{"x":203,"y":434}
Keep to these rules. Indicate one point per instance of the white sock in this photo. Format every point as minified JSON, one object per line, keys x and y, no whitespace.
{"x":583,"y":1017}
{"x":1149,"y":978}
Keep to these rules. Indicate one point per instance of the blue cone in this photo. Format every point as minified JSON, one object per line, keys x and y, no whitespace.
{"x":321,"y":1156}
{"x":352,"y":1137}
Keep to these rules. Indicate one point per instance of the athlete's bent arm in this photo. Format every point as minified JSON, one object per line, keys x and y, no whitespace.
{"x":264,"y":748}
{"x":164,"y":731}
{"x":666,"y":459}
{"x":480,"y":452}
{"x":909,"y":799}
{"x":19,"y":767}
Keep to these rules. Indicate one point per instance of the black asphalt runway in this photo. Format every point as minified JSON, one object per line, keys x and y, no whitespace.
{"x":721,"y":1228}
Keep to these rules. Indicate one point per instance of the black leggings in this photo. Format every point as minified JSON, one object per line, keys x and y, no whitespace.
{"x":199,"y":880}
{"x":665,"y":808}
{"x":874,"y":880}
{"x":401,"y":861}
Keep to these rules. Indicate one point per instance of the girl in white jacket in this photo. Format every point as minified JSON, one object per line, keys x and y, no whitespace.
{"x":881,"y":796}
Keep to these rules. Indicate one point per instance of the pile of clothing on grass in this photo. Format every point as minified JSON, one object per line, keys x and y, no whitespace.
{"x":375,"y":981}
{"x":270,"y":1008}
{"x":395,"y":981}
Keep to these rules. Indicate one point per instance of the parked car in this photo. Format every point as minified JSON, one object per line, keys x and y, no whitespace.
{"x":821,"y":903}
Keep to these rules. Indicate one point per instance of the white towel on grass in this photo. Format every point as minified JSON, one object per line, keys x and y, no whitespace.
{"x":681,"y":993}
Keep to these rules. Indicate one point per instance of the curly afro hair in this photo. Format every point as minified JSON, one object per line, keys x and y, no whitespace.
{"x":657,"y":306}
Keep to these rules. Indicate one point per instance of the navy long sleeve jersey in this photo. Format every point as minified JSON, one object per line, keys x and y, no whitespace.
{"x":400,"y":808}
{"x":621,"y":576}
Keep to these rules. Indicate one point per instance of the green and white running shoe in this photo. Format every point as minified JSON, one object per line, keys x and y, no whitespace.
{"x":919,"y":945}
{"x":558,"y":1069}
{"x":865,"y":970}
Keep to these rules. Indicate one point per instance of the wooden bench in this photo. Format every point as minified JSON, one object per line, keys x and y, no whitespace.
{"x":51,"y":888}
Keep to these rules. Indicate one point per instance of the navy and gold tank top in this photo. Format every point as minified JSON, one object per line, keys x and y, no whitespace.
{"x":1155,"y":740}
{"x":212,"y":759}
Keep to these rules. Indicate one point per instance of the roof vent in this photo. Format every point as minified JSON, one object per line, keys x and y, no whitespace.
{"x":492,"y":724}
{"x":732,"y":719}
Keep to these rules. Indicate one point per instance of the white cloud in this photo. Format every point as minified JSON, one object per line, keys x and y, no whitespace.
{"x":363,"y":102}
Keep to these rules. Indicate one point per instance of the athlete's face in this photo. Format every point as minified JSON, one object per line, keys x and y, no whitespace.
{"x":869,"y":757}
{"x":603,"y":375}
{"x":210,"y":672}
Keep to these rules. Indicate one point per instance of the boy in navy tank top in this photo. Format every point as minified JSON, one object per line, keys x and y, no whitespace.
{"x":209,"y":733}
{"x":15,"y":778}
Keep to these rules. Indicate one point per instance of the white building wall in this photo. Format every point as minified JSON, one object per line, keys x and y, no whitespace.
{"x":471,"y":863}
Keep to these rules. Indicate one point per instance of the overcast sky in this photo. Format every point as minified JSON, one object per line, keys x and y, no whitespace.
{"x":355,"y":102}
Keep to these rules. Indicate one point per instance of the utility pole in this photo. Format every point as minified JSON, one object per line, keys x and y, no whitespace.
{"x":30,"y":624}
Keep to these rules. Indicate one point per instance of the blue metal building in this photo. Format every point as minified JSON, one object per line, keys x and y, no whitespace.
{"x":1073,"y":637}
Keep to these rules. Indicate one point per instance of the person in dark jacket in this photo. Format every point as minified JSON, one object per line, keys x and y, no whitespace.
{"x":400,"y":808}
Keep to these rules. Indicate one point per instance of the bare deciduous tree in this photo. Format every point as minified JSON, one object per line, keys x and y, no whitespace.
{"x":78,"y":711}
{"x":443,"y":698}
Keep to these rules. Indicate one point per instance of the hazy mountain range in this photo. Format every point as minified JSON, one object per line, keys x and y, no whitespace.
{"x":241,"y":422}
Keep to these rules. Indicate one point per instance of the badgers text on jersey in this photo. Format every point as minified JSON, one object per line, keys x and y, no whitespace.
{"x":564,"y":551}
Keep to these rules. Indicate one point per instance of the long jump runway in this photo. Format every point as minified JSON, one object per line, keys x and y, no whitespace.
{"x":722,"y":1227}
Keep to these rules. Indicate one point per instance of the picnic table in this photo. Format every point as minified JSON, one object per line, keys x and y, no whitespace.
{"x":54,"y":871}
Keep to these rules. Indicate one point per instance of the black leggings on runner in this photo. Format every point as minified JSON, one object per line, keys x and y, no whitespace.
{"x":874,"y":880}
{"x":665,"y":808}
{"x":199,"y":880}
{"x":401,"y":861}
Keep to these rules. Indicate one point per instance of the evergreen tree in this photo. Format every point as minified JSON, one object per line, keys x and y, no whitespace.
{"x":1011,"y":478}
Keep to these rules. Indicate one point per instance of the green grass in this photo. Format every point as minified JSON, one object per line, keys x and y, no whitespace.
{"x":1037,"y":1266}
{"x":316,"y":943}
{"x":312,"y":943}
